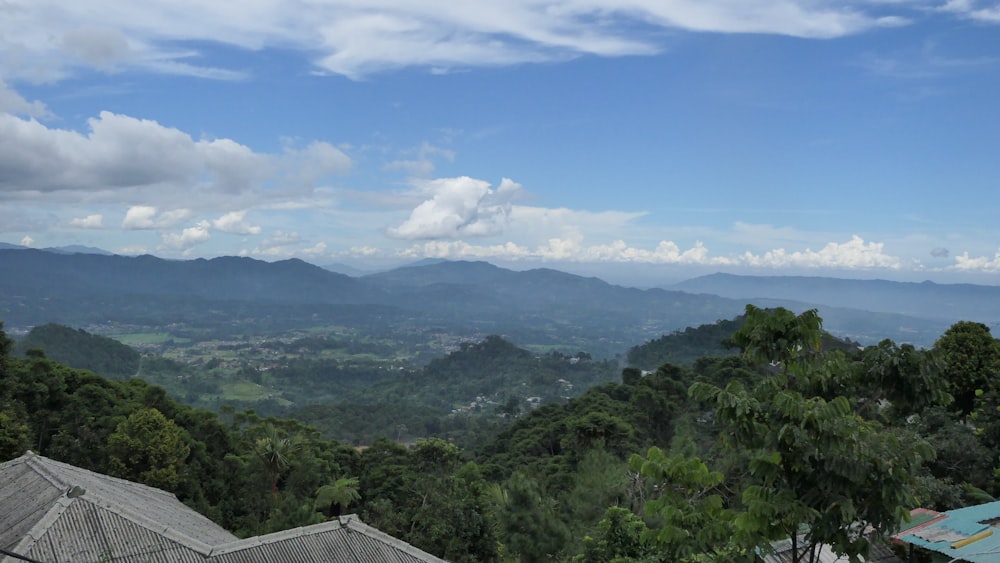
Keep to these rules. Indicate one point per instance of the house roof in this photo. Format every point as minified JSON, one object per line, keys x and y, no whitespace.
{"x":782,"y":553}
{"x":52,"y":511}
{"x":968,"y":534}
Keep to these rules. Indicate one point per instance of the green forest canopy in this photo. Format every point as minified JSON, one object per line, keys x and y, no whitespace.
{"x":622,"y":471}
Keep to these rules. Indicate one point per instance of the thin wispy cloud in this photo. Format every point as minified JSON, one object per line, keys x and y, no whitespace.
{"x":356,"y":39}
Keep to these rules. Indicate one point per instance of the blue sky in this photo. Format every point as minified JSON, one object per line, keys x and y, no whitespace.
{"x":643,"y":141}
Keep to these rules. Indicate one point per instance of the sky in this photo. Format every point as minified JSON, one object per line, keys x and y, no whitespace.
{"x":642,"y":141}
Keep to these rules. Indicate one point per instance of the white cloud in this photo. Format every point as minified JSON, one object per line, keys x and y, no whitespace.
{"x":315,"y":162}
{"x":186,"y":239}
{"x":148,"y":217}
{"x":973,"y":9}
{"x":47,"y":39}
{"x":282,"y":238}
{"x":284,"y":245}
{"x":12,"y":102}
{"x":853,"y":254}
{"x":149,"y":162}
{"x":235,"y":222}
{"x":459,"y":207}
{"x":423,"y":165}
{"x":101,"y":47}
{"x":132,"y":250}
{"x":95,"y":221}
{"x":27,"y":240}
{"x":966,"y":263}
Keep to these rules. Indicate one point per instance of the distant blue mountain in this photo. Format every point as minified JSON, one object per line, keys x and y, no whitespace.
{"x":79,"y":249}
{"x":946,"y":302}
{"x":540,"y":305}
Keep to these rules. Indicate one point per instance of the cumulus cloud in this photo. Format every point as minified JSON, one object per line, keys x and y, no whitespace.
{"x":285,"y":244}
{"x":95,"y":221}
{"x":118,"y":151}
{"x":186,"y":239}
{"x":146,"y":160}
{"x":27,"y":241}
{"x":101,"y":47}
{"x":853,"y":254}
{"x":235,"y":222}
{"x":966,"y":263}
{"x":52,"y":37}
{"x":940,"y":252}
{"x":459,"y":207}
{"x":140,"y":217}
{"x":316,"y":161}
{"x":12,"y":102}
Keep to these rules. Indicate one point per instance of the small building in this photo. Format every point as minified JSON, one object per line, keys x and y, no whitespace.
{"x":964,"y":534}
{"x":781,"y":552}
{"x":54,"y":512}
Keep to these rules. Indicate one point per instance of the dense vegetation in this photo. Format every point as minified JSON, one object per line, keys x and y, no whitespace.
{"x":81,"y":349}
{"x":699,"y":462}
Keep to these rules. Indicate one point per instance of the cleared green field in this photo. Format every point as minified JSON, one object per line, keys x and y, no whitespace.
{"x":138,"y":338}
{"x":247,"y":391}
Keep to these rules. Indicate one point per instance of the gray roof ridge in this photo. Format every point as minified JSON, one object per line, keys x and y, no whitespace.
{"x":355,"y":524}
{"x":48,"y":467}
{"x":254,"y":541}
{"x":36,"y":532}
{"x":44,"y":467}
{"x":168,"y":532}
{"x":350,"y":523}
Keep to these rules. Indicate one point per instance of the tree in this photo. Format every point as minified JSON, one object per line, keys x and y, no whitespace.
{"x":779,"y":337}
{"x":619,"y":538}
{"x":690,"y":514}
{"x":814,"y":464}
{"x":909,"y":378}
{"x":149,"y":448}
{"x":333,"y":499}
{"x":533,"y":530}
{"x":971,"y":359}
{"x":274,"y":450}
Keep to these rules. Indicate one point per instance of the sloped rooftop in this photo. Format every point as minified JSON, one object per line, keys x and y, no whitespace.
{"x":55,"y":512}
{"x":967,"y":534}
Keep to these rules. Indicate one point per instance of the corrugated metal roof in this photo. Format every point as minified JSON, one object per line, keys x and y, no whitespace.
{"x":956,"y":525}
{"x":50,"y":480}
{"x":55,"y":512}
{"x":346,"y":541}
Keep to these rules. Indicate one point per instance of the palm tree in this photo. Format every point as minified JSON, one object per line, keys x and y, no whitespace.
{"x":334,"y":499}
{"x":274,"y":451}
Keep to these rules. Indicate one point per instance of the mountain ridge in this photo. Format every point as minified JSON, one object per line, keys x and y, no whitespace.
{"x":544,"y":306}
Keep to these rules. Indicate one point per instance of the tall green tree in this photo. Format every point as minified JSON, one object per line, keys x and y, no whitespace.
{"x":814,"y":464}
{"x":274,"y":449}
{"x":971,"y":359}
{"x":533,"y":529}
{"x":910,"y":379}
{"x":690,"y":516}
{"x":149,"y":448}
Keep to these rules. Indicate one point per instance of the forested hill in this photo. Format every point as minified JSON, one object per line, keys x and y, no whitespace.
{"x":79,"y":349}
{"x":685,"y":347}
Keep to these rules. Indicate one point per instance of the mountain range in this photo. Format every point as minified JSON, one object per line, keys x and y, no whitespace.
{"x":540,"y":307}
